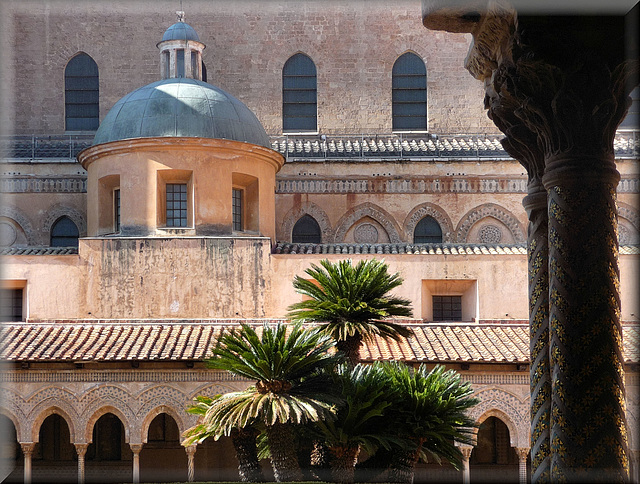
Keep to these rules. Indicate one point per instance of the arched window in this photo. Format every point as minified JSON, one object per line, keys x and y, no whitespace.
{"x":299,"y":94}
{"x":427,"y":231}
{"x":493,"y":444}
{"x":64,"y":233}
{"x":306,"y":231}
{"x":204,"y":73}
{"x":409,"y":93}
{"x":81,"y":94}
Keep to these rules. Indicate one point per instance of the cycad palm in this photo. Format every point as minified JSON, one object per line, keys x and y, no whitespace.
{"x":286,"y":364}
{"x":431,"y":412}
{"x":351,"y":303}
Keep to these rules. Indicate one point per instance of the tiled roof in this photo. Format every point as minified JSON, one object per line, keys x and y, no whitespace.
{"x":179,"y":340}
{"x":38,"y":250}
{"x":399,"y":248}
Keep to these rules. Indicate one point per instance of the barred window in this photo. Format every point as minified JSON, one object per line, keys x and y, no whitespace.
{"x":306,"y":231}
{"x":427,"y":231}
{"x":176,"y":204}
{"x":409,"y":94}
{"x":116,"y":210}
{"x":64,"y":233}
{"x":299,"y":94}
{"x":81,"y":95}
{"x":447,"y":308}
{"x":237,"y":210}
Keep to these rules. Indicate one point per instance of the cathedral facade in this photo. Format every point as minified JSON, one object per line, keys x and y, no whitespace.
{"x":166,"y":179}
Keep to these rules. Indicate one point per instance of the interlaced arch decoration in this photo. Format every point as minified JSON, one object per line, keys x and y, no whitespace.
{"x":490,"y":210}
{"x":88,"y":432}
{"x":58,"y":408}
{"x":428,"y":210}
{"x":514,"y":412}
{"x":58,"y":211}
{"x":313,"y":210}
{"x":367,"y":210}
{"x":21,"y":220}
{"x":160,"y":409}
{"x":15,"y":421}
{"x":629,"y":214}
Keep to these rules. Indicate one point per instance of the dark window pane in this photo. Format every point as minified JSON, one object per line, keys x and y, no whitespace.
{"x":10,"y":305}
{"x":180,"y":62}
{"x":64,"y":233}
{"x":409,"y":93}
{"x":427,"y":231}
{"x":410,"y":123}
{"x":176,"y":205}
{"x":299,"y":95}
{"x":237,"y":209}
{"x":306,"y":231}
{"x":447,"y":308}
{"x":81,"y":94}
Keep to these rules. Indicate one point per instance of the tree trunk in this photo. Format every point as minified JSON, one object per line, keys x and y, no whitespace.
{"x":350,"y":346}
{"x":283,"y":453}
{"x":244,"y":442}
{"x":402,"y":466}
{"x":343,"y":463}
{"x":320,"y":461}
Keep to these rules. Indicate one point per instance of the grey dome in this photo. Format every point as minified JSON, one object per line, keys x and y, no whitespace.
{"x":181,"y":107}
{"x":180,"y":31}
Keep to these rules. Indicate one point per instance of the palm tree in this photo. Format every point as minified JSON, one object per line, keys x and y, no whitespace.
{"x":290,"y":388}
{"x":351,"y":303}
{"x":430,"y":411}
{"x":243,"y":439}
{"x":360,"y":422}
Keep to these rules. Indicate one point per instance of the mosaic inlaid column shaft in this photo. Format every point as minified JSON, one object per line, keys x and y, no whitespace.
{"x":535,"y":203}
{"x":588,"y":427}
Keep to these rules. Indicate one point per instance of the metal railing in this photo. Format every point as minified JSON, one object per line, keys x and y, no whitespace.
{"x":301,"y":147}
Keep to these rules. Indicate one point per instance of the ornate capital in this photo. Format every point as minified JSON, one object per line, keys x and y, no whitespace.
{"x":81,"y":449}
{"x":191,"y":449}
{"x":466,"y":450}
{"x":522,"y":452}
{"x":136,"y":448}
{"x":27,"y":447}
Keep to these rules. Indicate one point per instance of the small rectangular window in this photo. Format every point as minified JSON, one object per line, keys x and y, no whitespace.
{"x":237,"y":210}
{"x":116,"y":210}
{"x":176,"y":204}
{"x":447,"y":308}
{"x":11,"y":305}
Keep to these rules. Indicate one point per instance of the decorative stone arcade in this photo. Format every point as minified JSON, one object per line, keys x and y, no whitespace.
{"x":558,"y":88}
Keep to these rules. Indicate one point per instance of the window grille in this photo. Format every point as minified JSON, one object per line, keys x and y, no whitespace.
{"x":176,"y":204}
{"x":81,"y":98}
{"x":409,"y":94}
{"x":116,"y":210}
{"x":10,"y":305}
{"x":447,"y":308}
{"x":237,"y":210}
{"x":299,"y":94}
{"x":427,"y":231}
{"x":306,"y":231}
{"x":64,"y":233}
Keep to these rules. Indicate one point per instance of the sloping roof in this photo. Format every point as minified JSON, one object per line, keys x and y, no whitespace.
{"x":38,"y":251}
{"x":178,"y":340}
{"x":400,"y":248}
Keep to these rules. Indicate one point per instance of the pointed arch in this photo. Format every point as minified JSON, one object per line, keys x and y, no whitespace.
{"x":41,"y":417}
{"x":88,"y":431}
{"x":313,"y":210}
{"x":146,"y":422}
{"x":428,"y":210}
{"x":15,"y":421}
{"x":367,"y":210}
{"x":409,"y":93}
{"x":490,"y":210}
{"x":56,"y":212}
{"x":21,"y":220}
{"x":628,"y":224}
{"x":81,"y":94}
{"x":512,"y":410}
{"x":299,"y":94}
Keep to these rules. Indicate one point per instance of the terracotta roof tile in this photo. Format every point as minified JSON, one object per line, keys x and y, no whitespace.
{"x":167,"y":340}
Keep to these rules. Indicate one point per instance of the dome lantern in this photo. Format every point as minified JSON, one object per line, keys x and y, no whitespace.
{"x":181,"y":51}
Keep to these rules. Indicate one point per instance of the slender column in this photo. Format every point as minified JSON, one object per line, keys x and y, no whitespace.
{"x":81,"y":450}
{"x":27,"y":450}
{"x":190,"y":450}
{"x":187,"y":62}
{"x":635,"y":466}
{"x":522,"y":452}
{"x":466,"y":455}
{"x":136,"y":448}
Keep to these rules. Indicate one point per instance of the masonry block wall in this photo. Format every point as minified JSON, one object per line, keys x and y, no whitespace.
{"x":354,"y":45}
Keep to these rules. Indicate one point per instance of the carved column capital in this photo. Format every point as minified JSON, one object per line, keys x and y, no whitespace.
{"x":466,"y":450}
{"x":136,"y":448}
{"x":81,"y":449}
{"x":27,"y":447}
{"x":522,"y":452}
{"x":191,"y":449}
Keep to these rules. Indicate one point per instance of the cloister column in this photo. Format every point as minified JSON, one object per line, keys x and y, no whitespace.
{"x":136,"y":448}
{"x":81,"y":450}
{"x":466,"y":455}
{"x":564,"y":79}
{"x":27,"y":450}
{"x":191,"y":451}
{"x":635,"y":466}
{"x":522,"y":452}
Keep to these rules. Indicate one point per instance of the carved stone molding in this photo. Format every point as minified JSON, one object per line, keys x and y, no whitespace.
{"x":431,"y":210}
{"x":514,"y":412}
{"x":490,"y":210}
{"x":21,"y":220}
{"x":367,"y":210}
{"x":57,"y":211}
{"x":306,"y":208}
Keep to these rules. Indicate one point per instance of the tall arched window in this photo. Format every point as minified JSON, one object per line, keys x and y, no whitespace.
{"x":409,"y":93}
{"x":427,"y":231}
{"x":306,"y":231}
{"x":81,"y":94}
{"x":64,"y":233}
{"x":299,"y":94}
